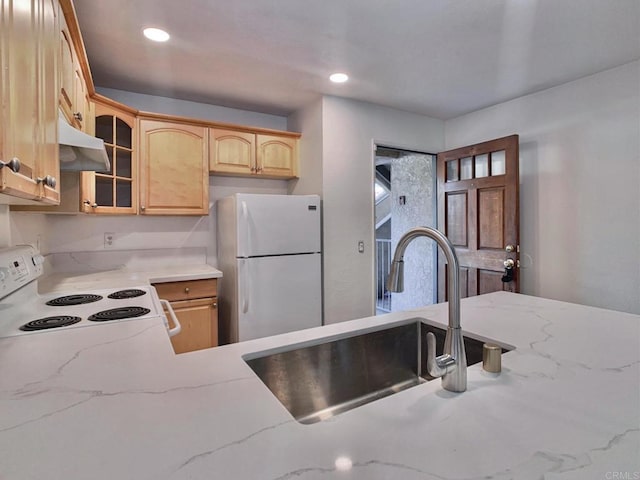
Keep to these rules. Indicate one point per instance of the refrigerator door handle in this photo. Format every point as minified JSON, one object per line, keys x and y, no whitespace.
{"x":245,"y":222}
{"x":245,"y":286}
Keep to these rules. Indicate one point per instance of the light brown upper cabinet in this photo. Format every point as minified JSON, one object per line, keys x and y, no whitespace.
{"x":115,"y":191}
{"x":173,"y":168}
{"x":75,"y":101}
{"x":277,"y":156}
{"x":28,"y":120}
{"x":232,"y":152}
{"x":67,"y":72}
{"x":246,"y":153}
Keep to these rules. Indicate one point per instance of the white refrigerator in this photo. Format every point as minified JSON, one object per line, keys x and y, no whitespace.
{"x":269,"y":252}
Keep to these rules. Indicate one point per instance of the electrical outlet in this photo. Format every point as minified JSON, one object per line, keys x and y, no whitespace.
{"x":109,"y":239}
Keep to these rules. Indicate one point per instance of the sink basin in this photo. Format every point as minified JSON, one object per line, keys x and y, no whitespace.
{"x":315,"y":382}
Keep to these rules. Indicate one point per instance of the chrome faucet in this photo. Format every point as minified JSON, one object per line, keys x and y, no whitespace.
{"x":452,"y":365}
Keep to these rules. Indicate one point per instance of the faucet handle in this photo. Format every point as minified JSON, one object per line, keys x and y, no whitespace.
{"x":438,"y":366}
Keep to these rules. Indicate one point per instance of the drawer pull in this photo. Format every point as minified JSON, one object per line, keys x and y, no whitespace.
{"x":186,"y":290}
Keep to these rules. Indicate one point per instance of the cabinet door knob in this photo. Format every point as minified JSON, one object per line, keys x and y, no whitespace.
{"x":259,"y":169}
{"x":214,"y":305}
{"x":78,"y":116}
{"x":186,"y":290}
{"x":49,"y":181}
{"x":143,"y":208}
{"x":13,"y":164}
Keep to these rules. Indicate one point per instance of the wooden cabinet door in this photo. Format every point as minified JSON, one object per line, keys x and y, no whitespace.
{"x":80,"y":98}
{"x":113,"y":192}
{"x":67,"y":71}
{"x":199,"y":321}
{"x":232,"y":152}
{"x":478,"y":210}
{"x":277,"y":156}
{"x":20,"y":112}
{"x":49,"y":163}
{"x":174,"y":176}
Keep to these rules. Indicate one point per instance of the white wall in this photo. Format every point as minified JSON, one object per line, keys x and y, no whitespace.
{"x":309,"y":121}
{"x":350,"y":131}
{"x":580,"y":185}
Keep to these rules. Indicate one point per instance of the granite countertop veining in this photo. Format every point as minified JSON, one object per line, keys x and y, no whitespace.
{"x":115,"y":402}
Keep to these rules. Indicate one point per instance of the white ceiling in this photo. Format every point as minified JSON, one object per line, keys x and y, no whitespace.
{"x":441,"y":58}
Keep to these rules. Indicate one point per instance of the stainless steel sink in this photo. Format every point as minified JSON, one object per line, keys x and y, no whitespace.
{"x":316,"y":382}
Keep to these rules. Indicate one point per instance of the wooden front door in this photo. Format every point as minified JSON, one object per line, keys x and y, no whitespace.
{"x":478,"y":210}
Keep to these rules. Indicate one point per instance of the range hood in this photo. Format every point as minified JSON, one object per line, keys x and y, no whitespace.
{"x":79,"y":151}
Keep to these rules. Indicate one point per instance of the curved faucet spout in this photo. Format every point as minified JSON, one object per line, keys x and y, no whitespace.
{"x":454,"y":376}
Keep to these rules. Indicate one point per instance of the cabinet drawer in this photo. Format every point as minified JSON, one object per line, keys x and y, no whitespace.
{"x":188,"y":290}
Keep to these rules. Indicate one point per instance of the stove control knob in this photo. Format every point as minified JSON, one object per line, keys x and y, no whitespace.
{"x":37,"y":260}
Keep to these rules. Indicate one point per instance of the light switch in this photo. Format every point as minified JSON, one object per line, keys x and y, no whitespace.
{"x":361,"y":246}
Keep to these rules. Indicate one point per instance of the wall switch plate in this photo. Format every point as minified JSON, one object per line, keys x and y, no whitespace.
{"x":109,"y":239}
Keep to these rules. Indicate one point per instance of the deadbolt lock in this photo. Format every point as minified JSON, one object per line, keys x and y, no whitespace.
{"x":510,"y":248}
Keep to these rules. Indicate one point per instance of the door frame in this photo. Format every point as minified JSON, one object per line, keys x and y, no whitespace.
{"x":375,"y":144}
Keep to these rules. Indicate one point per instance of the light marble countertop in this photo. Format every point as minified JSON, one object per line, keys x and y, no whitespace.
{"x":124,"y":278}
{"x":114,"y":402}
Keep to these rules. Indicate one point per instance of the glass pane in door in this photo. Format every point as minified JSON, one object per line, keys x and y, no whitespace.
{"x":123,"y":134}
{"x":104,"y":191}
{"x":497,"y":163}
{"x":123,"y":193}
{"x":123,"y":163}
{"x":452,"y":171}
{"x":466,"y":168}
{"x":482,"y":165}
{"x":104,"y":128}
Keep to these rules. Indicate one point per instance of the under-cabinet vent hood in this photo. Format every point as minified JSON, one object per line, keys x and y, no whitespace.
{"x":79,"y":151}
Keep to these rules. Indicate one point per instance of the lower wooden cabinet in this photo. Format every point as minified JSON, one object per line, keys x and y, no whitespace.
{"x":195,"y":303}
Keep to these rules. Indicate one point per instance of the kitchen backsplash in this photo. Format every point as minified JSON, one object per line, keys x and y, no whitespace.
{"x":142,"y":260}
{"x":55,"y":234}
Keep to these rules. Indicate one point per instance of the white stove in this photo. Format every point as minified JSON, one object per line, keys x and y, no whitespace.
{"x":24,"y":311}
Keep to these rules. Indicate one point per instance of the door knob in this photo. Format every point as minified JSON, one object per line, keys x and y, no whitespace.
{"x":509,"y":263}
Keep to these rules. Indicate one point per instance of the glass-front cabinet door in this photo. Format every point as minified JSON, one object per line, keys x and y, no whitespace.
{"x":115,"y":191}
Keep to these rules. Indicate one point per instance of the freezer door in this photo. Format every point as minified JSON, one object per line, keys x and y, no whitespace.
{"x":277,"y":224}
{"x":278,"y":295}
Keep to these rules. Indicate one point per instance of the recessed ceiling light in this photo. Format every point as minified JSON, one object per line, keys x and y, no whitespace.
{"x":339,"y":77}
{"x":156,"y":34}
